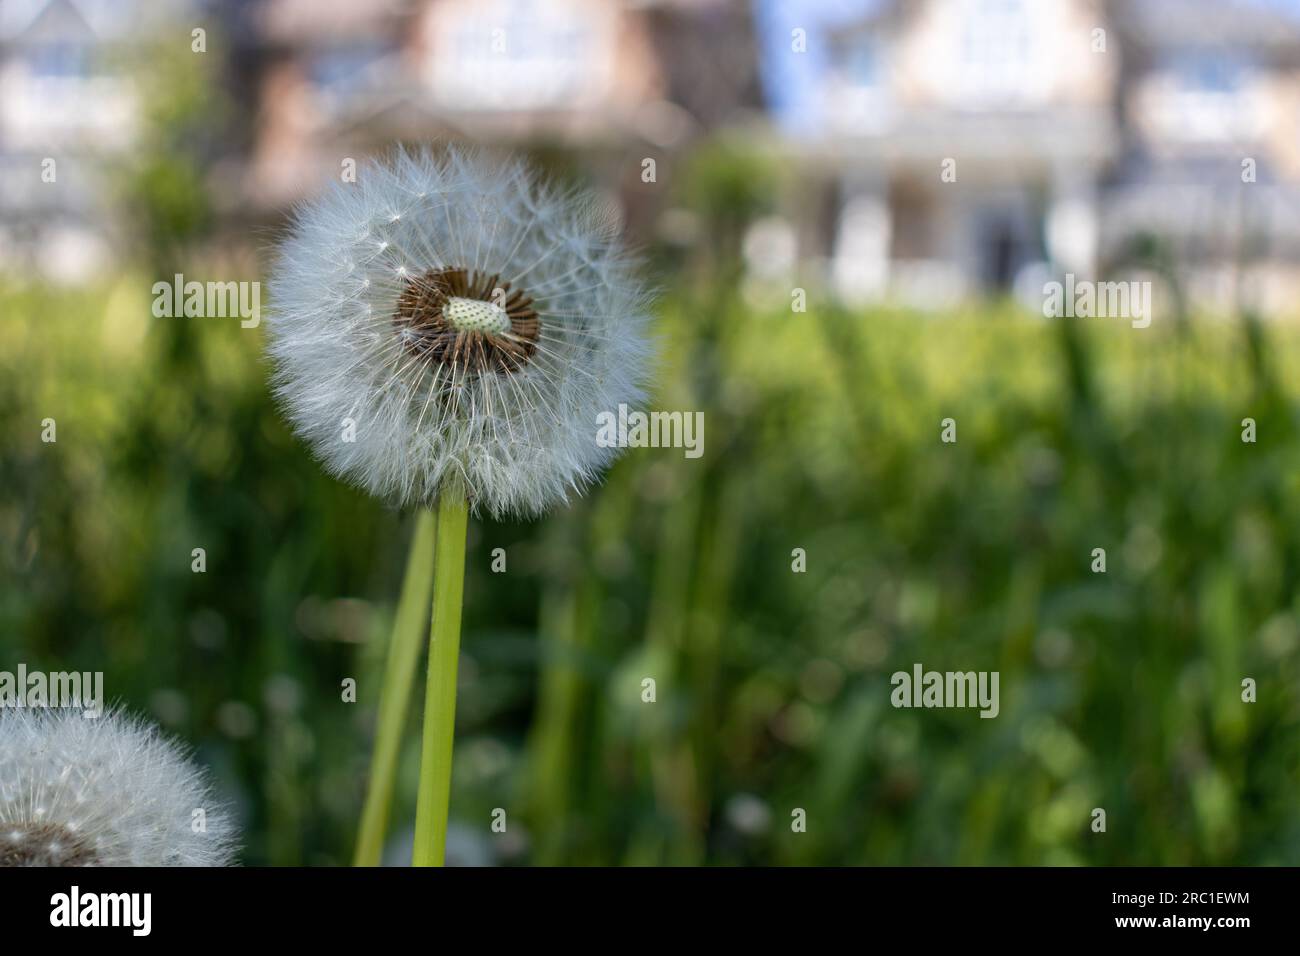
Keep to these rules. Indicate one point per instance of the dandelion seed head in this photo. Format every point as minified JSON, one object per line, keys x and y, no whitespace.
{"x":482,"y":322}
{"x":107,"y":791}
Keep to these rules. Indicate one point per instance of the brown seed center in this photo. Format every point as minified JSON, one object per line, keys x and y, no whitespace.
{"x":466,"y":320}
{"x":43,"y":844}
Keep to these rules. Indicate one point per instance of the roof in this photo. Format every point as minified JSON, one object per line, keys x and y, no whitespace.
{"x":1209,"y":23}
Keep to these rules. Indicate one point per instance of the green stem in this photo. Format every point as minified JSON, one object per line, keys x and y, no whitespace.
{"x":395,"y":693}
{"x":440,"y":693}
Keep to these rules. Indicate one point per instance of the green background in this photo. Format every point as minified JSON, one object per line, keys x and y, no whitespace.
{"x":1119,"y":690}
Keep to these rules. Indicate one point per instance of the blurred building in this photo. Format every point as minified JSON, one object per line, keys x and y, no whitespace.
{"x":934,"y":148}
{"x":956,"y":141}
{"x":325,"y":83}
{"x":951,"y":146}
{"x":1208,"y":176}
{"x":67,"y":107}
{"x":338,"y":81}
{"x":308,"y":85}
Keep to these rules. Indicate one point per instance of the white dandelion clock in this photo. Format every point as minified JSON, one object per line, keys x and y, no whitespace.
{"x":453,"y":321}
{"x":107,"y":791}
{"x":449,"y":330}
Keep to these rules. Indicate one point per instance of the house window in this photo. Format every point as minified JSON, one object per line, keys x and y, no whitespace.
{"x":516,"y":55}
{"x":857,"y":96}
{"x":995,"y":55}
{"x":1208,"y":74}
{"x":1205,"y":97}
{"x":58,"y":61}
{"x":862,"y":64}
{"x":342,"y":70}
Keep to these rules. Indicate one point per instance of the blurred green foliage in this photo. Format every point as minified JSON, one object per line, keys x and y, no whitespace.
{"x":161,"y":180}
{"x":1119,"y":690}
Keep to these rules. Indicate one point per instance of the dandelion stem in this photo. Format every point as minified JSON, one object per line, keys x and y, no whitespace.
{"x":440,"y":693}
{"x":395,"y":693}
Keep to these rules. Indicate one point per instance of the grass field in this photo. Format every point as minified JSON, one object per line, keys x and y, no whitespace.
{"x":1120,"y":690}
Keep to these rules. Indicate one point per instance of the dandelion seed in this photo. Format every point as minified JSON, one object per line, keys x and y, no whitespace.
{"x":103,"y":792}
{"x":495,"y":318}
